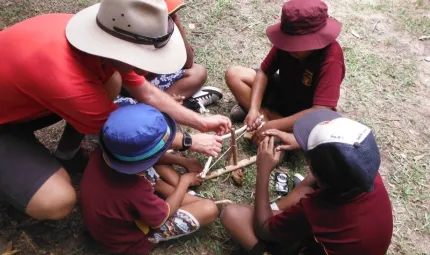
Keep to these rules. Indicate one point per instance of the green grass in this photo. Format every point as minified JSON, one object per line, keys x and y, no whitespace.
{"x":381,"y":89}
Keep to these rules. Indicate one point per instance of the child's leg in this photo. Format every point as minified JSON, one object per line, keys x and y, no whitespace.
{"x":168,"y":174}
{"x":238,"y":222}
{"x":239,"y":80}
{"x":204,"y":210}
{"x":165,"y":189}
{"x":185,"y":221}
{"x":193,"y":79}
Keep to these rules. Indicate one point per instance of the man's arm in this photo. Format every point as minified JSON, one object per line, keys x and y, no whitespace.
{"x":149,"y":94}
{"x":190,"y":54}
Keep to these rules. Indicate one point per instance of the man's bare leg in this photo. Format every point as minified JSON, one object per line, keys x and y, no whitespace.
{"x":55,"y":199}
{"x":193,"y":79}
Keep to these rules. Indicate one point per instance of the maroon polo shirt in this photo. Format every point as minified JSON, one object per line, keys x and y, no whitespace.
{"x":331,"y":225}
{"x":315,"y":81}
{"x":112,"y":202}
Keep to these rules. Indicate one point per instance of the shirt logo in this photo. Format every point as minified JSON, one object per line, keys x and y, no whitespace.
{"x":307,"y":78}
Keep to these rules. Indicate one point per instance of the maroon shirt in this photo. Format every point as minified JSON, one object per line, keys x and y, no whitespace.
{"x":316,"y":81}
{"x":111,"y":203}
{"x":329,"y":225}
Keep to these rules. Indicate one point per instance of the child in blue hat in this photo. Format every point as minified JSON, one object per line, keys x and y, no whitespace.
{"x":118,"y":200}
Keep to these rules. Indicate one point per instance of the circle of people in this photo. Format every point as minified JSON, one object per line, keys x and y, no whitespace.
{"x":125,"y":70}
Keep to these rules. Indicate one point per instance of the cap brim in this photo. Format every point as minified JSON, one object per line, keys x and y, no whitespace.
{"x":174,"y":6}
{"x":83,"y":33}
{"x":313,"y":41}
{"x":139,"y":166}
{"x":304,"y":125}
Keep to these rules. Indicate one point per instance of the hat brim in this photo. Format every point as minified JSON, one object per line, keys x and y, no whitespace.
{"x":312,"y":41}
{"x":305,"y":124}
{"x":139,"y":166}
{"x":84,"y":34}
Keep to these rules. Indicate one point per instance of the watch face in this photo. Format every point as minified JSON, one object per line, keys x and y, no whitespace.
{"x":188,"y":141}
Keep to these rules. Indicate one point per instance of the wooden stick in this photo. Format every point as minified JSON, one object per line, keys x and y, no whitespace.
{"x":206,"y":168}
{"x":238,"y":131}
{"x":233,"y":146}
{"x":231,"y":168}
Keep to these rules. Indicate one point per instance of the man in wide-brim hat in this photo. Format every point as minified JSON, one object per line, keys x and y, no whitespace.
{"x":64,"y":66}
{"x":302,"y":72}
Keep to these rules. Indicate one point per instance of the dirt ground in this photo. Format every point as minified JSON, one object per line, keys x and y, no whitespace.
{"x":387,"y":87}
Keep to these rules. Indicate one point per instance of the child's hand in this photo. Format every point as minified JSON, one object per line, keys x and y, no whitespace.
{"x":267,"y":157}
{"x":193,"y":179}
{"x":193,"y":166}
{"x":253,"y":120}
{"x":178,"y":98}
{"x":288,"y":139}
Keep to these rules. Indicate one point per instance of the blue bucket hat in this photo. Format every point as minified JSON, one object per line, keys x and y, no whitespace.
{"x":342,"y":152}
{"x":134,"y":137}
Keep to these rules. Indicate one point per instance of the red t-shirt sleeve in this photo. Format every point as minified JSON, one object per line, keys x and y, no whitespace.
{"x":327,"y":91}
{"x":80,"y":100}
{"x":290,"y":226}
{"x":270,"y":64}
{"x":132,"y":79}
{"x":151,"y":209}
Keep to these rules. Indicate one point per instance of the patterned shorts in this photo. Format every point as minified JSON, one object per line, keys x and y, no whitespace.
{"x":180,"y":224}
{"x":165,"y":81}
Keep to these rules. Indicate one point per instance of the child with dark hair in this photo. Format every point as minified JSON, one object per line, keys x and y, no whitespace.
{"x":341,"y":207}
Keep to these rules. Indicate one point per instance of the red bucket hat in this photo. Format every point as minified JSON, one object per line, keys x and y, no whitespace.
{"x":305,"y":25}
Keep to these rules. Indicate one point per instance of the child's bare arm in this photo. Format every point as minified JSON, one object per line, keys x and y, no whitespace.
{"x":168,"y":174}
{"x":172,"y":159}
{"x":190,"y":53}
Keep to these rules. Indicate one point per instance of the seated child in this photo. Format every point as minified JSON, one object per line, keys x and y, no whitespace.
{"x":119,"y":206}
{"x":341,"y":207}
{"x":186,"y":85}
{"x":302,"y":72}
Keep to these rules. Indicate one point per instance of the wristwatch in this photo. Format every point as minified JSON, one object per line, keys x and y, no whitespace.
{"x":187,"y":141}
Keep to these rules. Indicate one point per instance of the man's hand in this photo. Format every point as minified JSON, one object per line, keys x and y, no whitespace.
{"x":288,"y":139}
{"x":192,"y":179}
{"x":267,"y":157}
{"x":253,"y":120}
{"x":193,"y":166}
{"x":218,"y":123}
{"x":206,"y":144}
{"x":258,"y":135}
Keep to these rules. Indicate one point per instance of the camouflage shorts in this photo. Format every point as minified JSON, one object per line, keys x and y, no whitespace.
{"x":180,"y":224}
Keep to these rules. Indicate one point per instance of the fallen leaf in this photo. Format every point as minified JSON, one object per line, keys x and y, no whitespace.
{"x":419,"y":157}
{"x":355,"y":34}
{"x":424,"y":37}
{"x":427,"y":59}
{"x":191,"y":26}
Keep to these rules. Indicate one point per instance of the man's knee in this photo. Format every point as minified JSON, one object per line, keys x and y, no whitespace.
{"x":54,"y":200}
